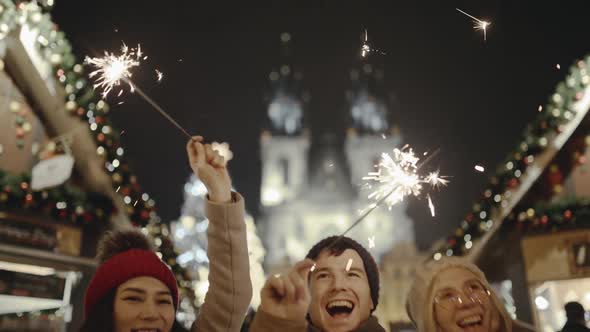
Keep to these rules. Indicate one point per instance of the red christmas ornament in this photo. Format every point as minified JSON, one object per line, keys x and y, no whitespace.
{"x":513,"y":183}
{"x":567,"y":214}
{"x":554,"y":176}
{"x":543,"y":124}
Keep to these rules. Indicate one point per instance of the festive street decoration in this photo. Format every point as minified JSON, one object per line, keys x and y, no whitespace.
{"x":67,"y":202}
{"x":550,"y":122}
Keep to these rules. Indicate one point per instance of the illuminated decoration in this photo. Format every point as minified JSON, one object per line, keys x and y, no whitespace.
{"x":190,"y":236}
{"x":67,"y":202}
{"x":533,"y":163}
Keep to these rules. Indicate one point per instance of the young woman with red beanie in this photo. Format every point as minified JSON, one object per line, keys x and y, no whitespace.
{"x":134,"y":291}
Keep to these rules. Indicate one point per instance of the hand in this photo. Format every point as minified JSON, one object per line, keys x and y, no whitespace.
{"x":209,"y":167}
{"x":287,"y":296}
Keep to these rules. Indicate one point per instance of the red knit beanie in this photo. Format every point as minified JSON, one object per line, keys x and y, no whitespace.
{"x":124,"y":266}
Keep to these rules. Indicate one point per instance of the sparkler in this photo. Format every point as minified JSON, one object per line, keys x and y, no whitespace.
{"x":397,"y":178}
{"x":479,"y":24}
{"x":366,"y":48}
{"x":112,"y":69}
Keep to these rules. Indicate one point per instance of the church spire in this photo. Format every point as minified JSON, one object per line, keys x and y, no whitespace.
{"x":368,"y":100}
{"x":287,"y":99}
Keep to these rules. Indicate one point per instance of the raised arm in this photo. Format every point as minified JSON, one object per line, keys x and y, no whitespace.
{"x":230,"y":288}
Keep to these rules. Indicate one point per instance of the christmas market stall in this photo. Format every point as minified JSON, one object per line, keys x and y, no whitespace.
{"x":64,"y":177}
{"x":530,"y":229}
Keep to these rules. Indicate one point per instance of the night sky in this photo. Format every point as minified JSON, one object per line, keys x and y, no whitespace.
{"x":469,"y":98}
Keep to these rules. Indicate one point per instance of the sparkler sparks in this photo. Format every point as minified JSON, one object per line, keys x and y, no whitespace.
{"x":431,"y":206}
{"x":348,"y":264}
{"x":366,"y":47}
{"x":160,"y":75}
{"x":398,"y":177}
{"x":479,"y":168}
{"x":479,"y":24}
{"x":111,"y":68}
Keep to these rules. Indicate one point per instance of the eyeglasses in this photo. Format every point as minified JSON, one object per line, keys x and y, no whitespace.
{"x":451,"y":298}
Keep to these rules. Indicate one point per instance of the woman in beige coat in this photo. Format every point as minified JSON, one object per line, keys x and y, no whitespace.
{"x":133,"y":290}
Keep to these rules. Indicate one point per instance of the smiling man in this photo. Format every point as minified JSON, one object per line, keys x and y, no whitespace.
{"x":335,"y":289}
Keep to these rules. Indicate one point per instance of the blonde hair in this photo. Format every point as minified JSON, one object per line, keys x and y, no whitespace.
{"x":420,"y":301}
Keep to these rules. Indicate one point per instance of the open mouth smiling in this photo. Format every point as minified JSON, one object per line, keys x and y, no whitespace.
{"x":470,"y":321}
{"x":337,"y":308}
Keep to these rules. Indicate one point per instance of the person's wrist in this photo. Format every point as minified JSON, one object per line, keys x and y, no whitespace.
{"x":223,"y":196}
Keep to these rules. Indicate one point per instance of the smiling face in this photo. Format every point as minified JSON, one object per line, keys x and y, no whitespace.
{"x":340,"y":292}
{"x":143,"y":304}
{"x":463,"y":304}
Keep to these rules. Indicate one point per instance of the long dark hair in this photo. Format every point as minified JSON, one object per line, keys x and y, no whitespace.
{"x":101,"y":319}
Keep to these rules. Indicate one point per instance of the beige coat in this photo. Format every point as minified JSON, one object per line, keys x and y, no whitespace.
{"x":230,"y":288}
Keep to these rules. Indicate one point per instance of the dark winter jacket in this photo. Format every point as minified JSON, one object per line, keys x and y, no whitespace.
{"x":264,"y":322}
{"x":574,"y":327}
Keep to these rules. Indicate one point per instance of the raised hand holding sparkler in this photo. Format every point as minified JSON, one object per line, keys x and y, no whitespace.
{"x":111,"y":70}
